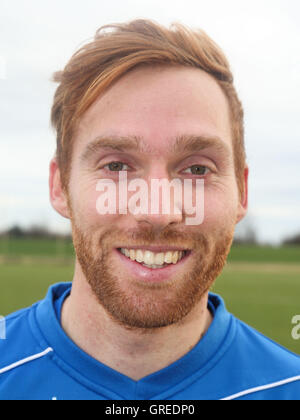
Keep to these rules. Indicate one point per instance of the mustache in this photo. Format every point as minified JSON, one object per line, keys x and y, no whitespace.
{"x":147,"y":236}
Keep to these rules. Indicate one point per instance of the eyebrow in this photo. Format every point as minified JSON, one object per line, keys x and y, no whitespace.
{"x":118,"y":143}
{"x":182,"y":144}
{"x":196,"y":143}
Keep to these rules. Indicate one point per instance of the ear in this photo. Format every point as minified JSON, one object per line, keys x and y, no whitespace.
{"x":58,"y":197}
{"x":243,"y":202}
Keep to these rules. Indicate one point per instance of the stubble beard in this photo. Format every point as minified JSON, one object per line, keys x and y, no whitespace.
{"x":145,"y":306}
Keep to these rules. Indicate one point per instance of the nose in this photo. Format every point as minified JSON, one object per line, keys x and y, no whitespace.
{"x":164,"y":197}
{"x":158,"y":222}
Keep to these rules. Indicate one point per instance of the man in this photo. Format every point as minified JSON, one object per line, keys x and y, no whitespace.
{"x":138,"y":321}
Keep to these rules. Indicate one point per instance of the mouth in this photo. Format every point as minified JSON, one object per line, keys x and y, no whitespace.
{"x":151,"y":265}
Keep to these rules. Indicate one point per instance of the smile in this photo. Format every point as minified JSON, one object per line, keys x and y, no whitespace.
{"x":153,"y":260}
{"x":154,"y":266}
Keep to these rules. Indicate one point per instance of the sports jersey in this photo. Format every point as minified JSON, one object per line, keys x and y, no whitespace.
{"x":232,"y":361}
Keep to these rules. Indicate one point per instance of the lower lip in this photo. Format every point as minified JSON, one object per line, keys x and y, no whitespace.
{"x":152,"y":275}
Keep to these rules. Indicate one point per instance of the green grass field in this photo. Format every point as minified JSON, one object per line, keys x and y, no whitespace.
{"x":260,"y":285}
{"x":36,"y":247}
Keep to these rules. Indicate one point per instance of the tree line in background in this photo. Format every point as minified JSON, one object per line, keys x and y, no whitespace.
{"x":34,"y":232}
{"x":247,"y":236}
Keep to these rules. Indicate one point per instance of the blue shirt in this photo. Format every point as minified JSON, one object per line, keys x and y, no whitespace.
{"x":232,"y":361}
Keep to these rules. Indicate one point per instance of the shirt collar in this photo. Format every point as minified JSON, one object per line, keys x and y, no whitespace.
{"x":116,"y":385}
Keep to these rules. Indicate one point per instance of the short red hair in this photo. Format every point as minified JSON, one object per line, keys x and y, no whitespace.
{"x":118,"y":48}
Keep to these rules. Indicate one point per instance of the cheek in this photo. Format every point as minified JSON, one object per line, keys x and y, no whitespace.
{"x":87,"y":203}
{"x":220,"y":207}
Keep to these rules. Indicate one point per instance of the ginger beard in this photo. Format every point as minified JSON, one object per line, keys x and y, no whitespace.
{"x":137,"y":305}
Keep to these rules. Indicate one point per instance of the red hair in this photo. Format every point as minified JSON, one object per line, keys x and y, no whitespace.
{"x":118,"y":48}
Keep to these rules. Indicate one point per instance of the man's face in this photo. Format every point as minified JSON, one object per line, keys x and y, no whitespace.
{"x":159,"y":106}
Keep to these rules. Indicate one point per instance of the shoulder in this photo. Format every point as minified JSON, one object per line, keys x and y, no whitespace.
{"x":266,"y":370}
{"x":265,"y":350}
{"x":18,"y":343}
{"x":15,"y":328}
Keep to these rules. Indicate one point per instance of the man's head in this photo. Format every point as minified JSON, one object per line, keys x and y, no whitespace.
{"x":169,"y":91}
{"x":116,"y":50}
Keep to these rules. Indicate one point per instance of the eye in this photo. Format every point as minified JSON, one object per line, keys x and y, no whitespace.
{"x":116,"y":166}
{"x":199,"y":170}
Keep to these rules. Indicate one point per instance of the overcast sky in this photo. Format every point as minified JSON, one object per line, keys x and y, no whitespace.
{"x":261,"y":40}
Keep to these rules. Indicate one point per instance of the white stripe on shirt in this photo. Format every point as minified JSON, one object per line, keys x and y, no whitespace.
{"x":262,"y":388}
{"x":26,"y":360}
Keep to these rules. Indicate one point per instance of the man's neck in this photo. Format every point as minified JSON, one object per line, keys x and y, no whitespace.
{"x":134,"y":353}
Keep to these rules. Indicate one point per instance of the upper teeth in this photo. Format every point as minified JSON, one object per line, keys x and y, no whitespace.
{"x":151,"y":258}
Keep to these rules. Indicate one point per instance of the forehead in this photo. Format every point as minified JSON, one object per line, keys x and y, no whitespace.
{"x":158,"y":105}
